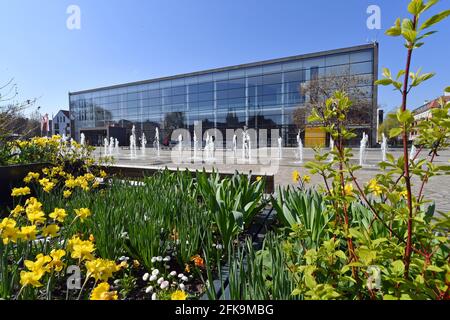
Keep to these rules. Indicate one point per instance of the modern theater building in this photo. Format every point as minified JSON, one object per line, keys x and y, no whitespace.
{"x":259,"y":95}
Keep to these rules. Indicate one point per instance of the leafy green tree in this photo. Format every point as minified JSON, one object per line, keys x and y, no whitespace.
{"x":390,"y":122}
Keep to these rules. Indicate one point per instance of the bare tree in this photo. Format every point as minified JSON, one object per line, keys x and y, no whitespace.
{"x":13,"y":122}
{"x":318,"y":90}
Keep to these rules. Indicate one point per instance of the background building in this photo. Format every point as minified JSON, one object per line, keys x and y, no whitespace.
{"x":423,"y":113}
{"x":257,"y":95}
{"x":60,"y":124}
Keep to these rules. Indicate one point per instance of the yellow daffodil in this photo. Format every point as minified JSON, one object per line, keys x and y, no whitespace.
{"x":56,"y":262}
{"x":348,"y":189}
{"x":18,"y":210}
{"x":89,"y":176}
{"x":33,"y":204}
{"x":375,"y":188}
{"x":101,"y":269}
{"x":49,"y":187}
{"x":258,"y":178}
{"x":40,"y":265}
{"x":404,"y":194}
{"x":178,"y":295}
{"x":70,"y":183}
{"x":307,"y":179}
{"x":28,"y":278}
{"x":44,"y":181}
{"x":82,"y":183}
{"x":101,"y":292}
{"x":295,"y":176}
{"x":17,"y":192}
{"x":31,"y":176}
{"x":136,"y":264}
{"x":47,"y":184}
{"x":82,"y":213}
{"x":34,"y":211}
{"x":103,"y":174}
{"x":8,"y":230}
{"x":36,"y":216}
{"x":28,"y":233}
{"x":58,"y":215}
{"x":80,"y":249}
{"x":67,"y":193}
{"x":50,"y":231}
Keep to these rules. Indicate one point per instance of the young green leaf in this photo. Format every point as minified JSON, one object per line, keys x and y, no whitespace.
{"x":409,"y":35}
{"x":435,"y":19}
{"x":394,"y":31}
{"x":394,"y":132}
{"x":383,"y":82}
{"x":415,"y":7}
{"x":387,"y":73}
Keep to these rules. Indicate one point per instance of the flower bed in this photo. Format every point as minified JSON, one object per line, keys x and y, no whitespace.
{"x":150,"y":241}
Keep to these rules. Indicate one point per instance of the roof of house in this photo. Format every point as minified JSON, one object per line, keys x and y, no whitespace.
{"x":65,"y":112}
{"x":430,"y":105}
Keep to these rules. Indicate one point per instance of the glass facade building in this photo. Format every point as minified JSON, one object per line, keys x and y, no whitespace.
{"x":257,"y":95}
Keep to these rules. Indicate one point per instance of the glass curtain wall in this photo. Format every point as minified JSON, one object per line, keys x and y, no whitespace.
{"x":260,"y":96}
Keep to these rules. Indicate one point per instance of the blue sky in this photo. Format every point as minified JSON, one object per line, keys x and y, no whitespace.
{"x":123,"y":41}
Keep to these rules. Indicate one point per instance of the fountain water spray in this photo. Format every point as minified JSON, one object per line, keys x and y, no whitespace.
{"x":280,"y":147}
{"x":362,"y":149}
{"x":143,"y":143}
{"x":156,"y":142}
{"x":383,"y":147}
{"x":180,"y":145}
{"x":195,"y":145}
{"x":331,"y":149}
{"x":211,"y":148}
{"x":299,"y":148}
{"x":133,"y":154}
{"x":246,"y":145}
{"x":105,"y":145}
{"x":116,"y":146}
{"x":111,"y":146}
{"x":413,"y":152}
{"x":234,"y":145}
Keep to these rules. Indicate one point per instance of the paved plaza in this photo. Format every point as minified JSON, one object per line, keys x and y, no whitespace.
{"x":268,"y":161}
